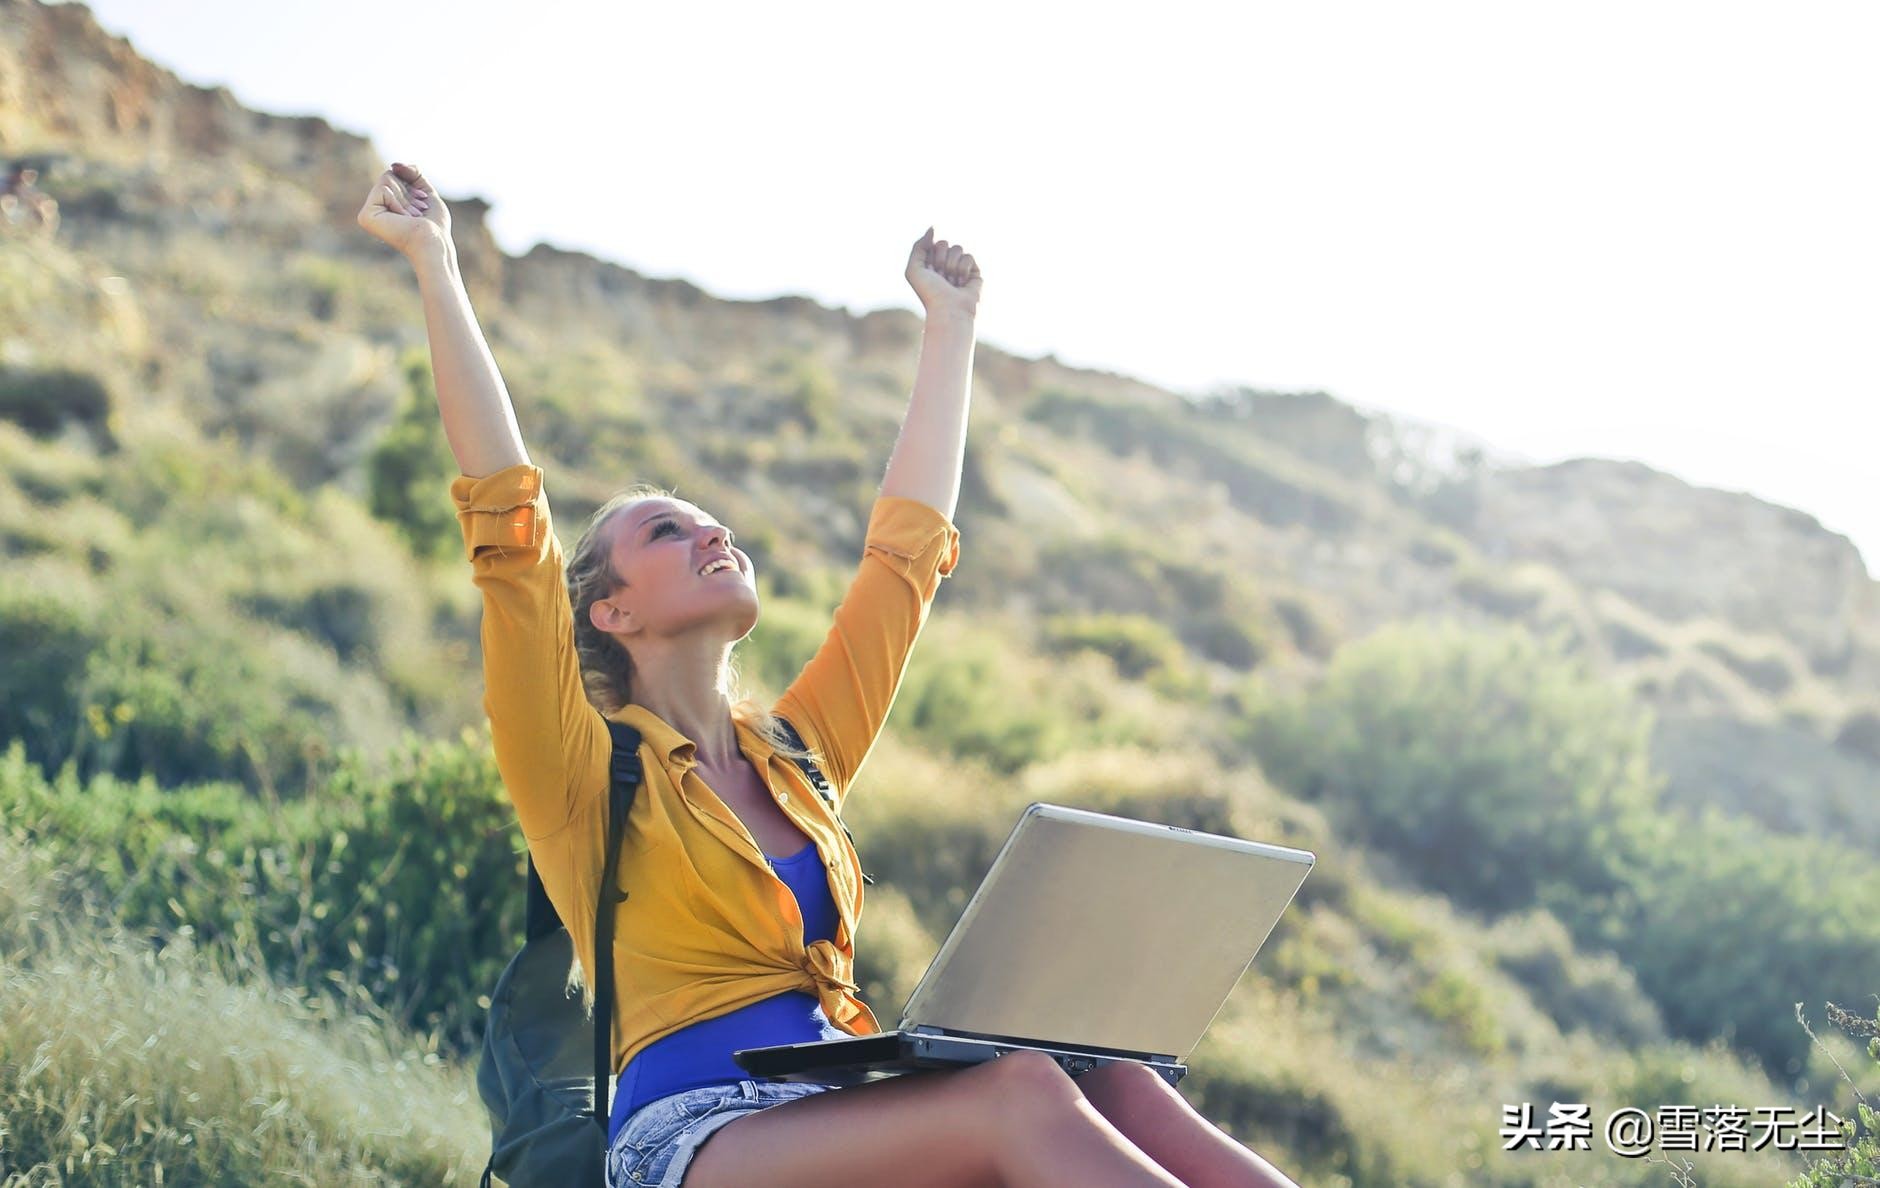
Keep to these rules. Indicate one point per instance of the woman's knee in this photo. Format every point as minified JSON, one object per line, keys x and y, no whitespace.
{"x":1128,"y":1090}
{"x":1026,"y":1084}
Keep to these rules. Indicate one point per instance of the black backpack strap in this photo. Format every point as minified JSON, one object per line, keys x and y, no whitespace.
{"x":539,"y":915}
{"x":625,"y":780}
{"x":819,"y":782}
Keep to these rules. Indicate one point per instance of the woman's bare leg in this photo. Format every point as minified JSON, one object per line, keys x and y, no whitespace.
{"x":1019,"y":1120}
{"x":1159,"y":1120}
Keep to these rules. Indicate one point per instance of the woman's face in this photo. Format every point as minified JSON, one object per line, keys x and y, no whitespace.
{"x":659,"y":547}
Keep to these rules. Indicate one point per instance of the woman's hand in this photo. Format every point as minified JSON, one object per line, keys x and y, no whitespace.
{"x":404,"y":210}
{"x":944,"y":278}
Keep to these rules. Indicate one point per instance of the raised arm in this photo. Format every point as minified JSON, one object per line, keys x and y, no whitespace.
{"x":404,"y":211}
{"x":931,"y":448}
{"x":551,"y":744}
{"x":841,"y":698}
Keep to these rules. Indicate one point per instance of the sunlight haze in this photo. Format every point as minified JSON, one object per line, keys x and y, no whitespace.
{"x":1642,"y":231}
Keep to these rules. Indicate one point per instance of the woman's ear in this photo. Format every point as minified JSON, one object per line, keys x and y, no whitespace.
{"x":609,"y":618}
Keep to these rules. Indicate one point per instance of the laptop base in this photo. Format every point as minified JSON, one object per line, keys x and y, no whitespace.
{"x":855,"y":1060}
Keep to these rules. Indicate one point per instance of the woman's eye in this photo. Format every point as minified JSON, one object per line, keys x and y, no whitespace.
{"x":664,"y":525}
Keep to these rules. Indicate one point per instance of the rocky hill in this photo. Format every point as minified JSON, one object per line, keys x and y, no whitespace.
{"x":1709,"y":603}
{"x":1187,"y":609}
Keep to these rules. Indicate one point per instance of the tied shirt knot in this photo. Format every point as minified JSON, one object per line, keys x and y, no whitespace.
{"x":831,"y":969}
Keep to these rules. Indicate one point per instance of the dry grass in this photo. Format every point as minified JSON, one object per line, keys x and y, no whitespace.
{"x":121,"y":1064}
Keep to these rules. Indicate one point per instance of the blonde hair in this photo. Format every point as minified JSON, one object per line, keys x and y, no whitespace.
{"x":606,"y":666}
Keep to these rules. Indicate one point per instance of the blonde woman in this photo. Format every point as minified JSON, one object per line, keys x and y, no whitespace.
{"x":742,"y":891}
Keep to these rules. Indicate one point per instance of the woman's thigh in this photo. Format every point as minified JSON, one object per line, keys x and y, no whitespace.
{"x":936,"y":1129}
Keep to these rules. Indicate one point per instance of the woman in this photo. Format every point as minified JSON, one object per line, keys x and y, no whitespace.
{"x":741,"y":891}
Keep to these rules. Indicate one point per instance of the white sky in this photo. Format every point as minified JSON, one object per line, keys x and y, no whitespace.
{"x":1632,"y":230}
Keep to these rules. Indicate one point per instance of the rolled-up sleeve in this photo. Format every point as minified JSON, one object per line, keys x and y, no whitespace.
{"x":840,"y":700}
{"x":548,"y":739}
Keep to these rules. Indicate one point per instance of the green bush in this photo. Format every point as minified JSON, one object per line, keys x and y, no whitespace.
{"x":409,"y":472}
{"x":195,"y":618}
{"x":47,"y":641}
{"x":1768,"y":672}
{"x":1859,"y":1162}
{"x":1139,"y":646}
{"x":219,"y":699}
{"x":1595,"y":992}
{"x":1454,"y":999}
{"x":1727,"y":927}
{"x":1860,"y":735}
{"x":967,"y":700}
{"x":1308,"y":623}
{"x":1494,"y":764}
{"x":1505,"y":775}
{"x":44,"y":402}
{"x":1231,"y":640}
{"x":1114,"y":578}
{"x":405,"y":886}
{"x":122,"y":1063}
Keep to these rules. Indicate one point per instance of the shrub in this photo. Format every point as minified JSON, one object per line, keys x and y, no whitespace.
{"x":1494,"y":764}
{"x":124,"y":1064}
{"x":1577,"y":990}
{"x":409,"y":472}
{"x":1138,"y":645}
{"x":44,"y":402}
{"x":1859,"y":1162}
{"x":228,"y":699}
{"x":1452,"y":998}
{"x":1501,"y":594}
{"x":1860,"y":735}
{"x":47,"y":640}
{"x":1503,"y":774}
{"x":406,"y":885}
{"x":1768,"y":672}
{"x":1308,"y":623}
{"x":1727,"y":927}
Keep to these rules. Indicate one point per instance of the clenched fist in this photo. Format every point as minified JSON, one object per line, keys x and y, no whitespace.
{"x":943,"y":276}
{"x":405,"y":211}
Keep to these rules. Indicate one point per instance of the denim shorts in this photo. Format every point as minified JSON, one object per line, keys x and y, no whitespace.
{"x":659,"y":1139}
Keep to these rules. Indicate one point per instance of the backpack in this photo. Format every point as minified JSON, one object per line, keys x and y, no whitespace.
{"x":545,"y":1066}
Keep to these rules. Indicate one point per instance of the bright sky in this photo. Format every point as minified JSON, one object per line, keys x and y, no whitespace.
{"x":1642,"y":230}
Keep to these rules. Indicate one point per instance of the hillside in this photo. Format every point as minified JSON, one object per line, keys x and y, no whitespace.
{"x":1588,"y":755}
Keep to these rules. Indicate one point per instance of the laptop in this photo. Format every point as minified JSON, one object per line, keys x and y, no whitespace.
{"x":1093,"y":938}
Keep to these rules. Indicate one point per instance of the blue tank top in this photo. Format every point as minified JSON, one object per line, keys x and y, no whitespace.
{"x":700,"y":1054}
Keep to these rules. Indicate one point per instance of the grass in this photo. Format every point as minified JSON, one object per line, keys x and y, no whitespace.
{"x":125,"y":1064}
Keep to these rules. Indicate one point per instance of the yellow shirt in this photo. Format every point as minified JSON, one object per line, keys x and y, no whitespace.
{"x":706,"y":926}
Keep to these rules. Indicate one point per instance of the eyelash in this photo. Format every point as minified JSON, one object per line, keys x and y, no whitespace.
{"x":731,"y":537}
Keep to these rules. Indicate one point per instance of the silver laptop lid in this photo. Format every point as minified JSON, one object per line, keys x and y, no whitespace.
{"x":1107,"y":932}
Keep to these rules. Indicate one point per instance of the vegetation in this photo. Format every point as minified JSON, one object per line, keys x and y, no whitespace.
{"x":257,"y":870}
{"x":1502,"y":773}
{"x":127,"y":1063}
{"x":1859,"y":1162}
{"x":408,"y":467}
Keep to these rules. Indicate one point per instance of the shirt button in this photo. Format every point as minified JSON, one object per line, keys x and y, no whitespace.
{"x":783,"y":796}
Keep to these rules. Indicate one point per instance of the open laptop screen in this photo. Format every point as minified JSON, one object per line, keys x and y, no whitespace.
{"x":1108,"y":932}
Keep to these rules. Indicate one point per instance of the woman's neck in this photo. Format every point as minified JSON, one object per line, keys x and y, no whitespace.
{"x":685,"y":687}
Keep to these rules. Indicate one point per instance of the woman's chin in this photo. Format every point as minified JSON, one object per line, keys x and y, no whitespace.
{"x":750,"y":624}
{"x":742,"y":620}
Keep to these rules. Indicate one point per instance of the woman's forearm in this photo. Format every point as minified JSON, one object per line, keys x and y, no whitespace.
{"x":927,"y":457}
{"x":479,"y":420}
